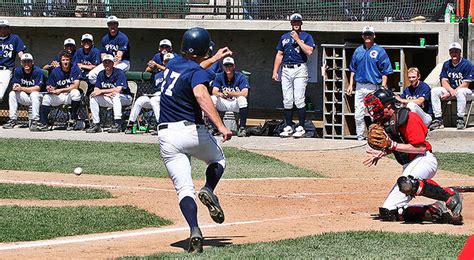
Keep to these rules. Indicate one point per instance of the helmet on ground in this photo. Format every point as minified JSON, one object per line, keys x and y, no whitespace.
{"x":196,"y":41}
{"x":377,"y":101}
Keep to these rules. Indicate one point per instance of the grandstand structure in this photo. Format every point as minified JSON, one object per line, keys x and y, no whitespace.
{"x":251,"y":28}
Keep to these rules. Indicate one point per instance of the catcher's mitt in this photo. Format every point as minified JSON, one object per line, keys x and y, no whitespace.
{"x":377,"y":138}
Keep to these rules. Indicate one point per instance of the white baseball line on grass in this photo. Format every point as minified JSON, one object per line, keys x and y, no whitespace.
{"x":138,"y":233}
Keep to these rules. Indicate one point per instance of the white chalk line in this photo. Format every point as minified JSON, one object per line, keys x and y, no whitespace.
{"x":138,"y":233}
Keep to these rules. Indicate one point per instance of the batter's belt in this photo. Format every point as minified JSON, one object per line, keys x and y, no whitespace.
{"x":177,"y":125}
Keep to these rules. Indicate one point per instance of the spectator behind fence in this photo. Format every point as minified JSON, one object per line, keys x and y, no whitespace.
{"x":148,"y":102}
{"x":456,"y":76}
{"x":69,"y":46}
{"x":111,"y":90}
{"x":157,"y":63}
{"x":10,"y":46}
{"x":369,"y":67}
{"x":114,"y":43}
{"x":63,"y":89}
{"x":230,"y":91}
{"x":87,"y":57}
{"x":27,"y":82}
{"x":417,"y":96}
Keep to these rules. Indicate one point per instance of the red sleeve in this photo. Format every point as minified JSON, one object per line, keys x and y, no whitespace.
{"x":414,"y":131}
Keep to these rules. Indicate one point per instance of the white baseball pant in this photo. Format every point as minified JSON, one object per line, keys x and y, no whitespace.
{"x":177,"y":144}
{"x":124,"y":65}
{"x":61,"y":99}
{"x":232,"y":105}
{"x":147,"y":103}
{"x":417,"y":109}
{"x":362,"y":89}
{"x":424,"y":166}
{"x":293,"y":86}
{"x":462,"y":96}
{"x":33,"y":99}
{"x":116,"y":102}
{"x":5,"y":76}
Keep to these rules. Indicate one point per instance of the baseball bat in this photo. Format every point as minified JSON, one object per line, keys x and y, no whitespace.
{"x":463,"y":188}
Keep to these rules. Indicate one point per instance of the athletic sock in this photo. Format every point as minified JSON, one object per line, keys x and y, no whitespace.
{"x":243,"y":112}
{"x":74,"y":108}
{"x":302,"y":115}
{"x":288,"y":116}
{"x":213,"y":174}
{"x":189,"y":209}
{"x":44,"y":112}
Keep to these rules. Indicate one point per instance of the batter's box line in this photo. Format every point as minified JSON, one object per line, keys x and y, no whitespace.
{"x":138,"y":233}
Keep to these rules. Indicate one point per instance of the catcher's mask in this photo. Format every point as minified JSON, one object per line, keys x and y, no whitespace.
{"x":377,"y":101}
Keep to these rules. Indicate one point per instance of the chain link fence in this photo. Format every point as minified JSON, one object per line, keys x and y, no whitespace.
{"x":312,"y":10}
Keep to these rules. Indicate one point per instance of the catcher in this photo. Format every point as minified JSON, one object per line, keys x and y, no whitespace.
{"x":403,"y":133}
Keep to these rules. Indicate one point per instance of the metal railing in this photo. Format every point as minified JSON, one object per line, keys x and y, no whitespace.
{"x":313,"y":10}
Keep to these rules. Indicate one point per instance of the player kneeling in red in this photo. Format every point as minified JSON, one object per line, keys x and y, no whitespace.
{"x":403,"y":133}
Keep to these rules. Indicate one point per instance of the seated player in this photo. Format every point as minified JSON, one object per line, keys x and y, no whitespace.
{"x":87,"y":57}
{"x":417,"y":96}
{"x":63,"y":89}
{"x":156,"y":64}
{"x":230,"y":91}
{"x":147,"y":101}
{"x":27,"y":82}
{"x":69,"y":46}
{"x":403,"y":133}
{"x":111,"y":90}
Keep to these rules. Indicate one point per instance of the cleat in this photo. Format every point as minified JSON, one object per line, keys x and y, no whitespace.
{"x":299,"y":132}
{"x":95,"y":128}
{"x":436,"y":124}
{"x":10,"y":124}
{"x":454,"y":203}
{"x":116,"y":128}
{"x":71,"y":125}
{"x":287,"y":131}
{"x":460,"y":124}
{"x":195,"y":241}
{"x":242,"y":132}
{"x":41,"y":127}
{"x":210,"y":200}
{"x":438,"y":213}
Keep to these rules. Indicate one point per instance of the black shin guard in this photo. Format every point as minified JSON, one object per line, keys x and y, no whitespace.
{"x":427,"y":188}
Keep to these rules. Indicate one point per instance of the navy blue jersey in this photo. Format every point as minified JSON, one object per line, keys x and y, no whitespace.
{"x":424,"y":91}
{"x":159,"y":77}
{"x":456,"y":74}
{"x":236,"y":84}
{"x":60,"y":79}
{"x":116,"y":79}
{"x":178,"y":102}
{"x":292,"y":53}
{"x":34,"y":78}
{"x":369,"y":65}
{"x":9,"y":49}
{"x":112,"y":44}
{"x":91,"y":58}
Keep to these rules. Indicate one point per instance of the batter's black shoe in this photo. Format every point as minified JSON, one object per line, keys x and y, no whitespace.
{"x":210,"y":200}
{"x":454,"y":203}
{"x":10,"y":124}
{"x":95,"y":128}
{"x":195,"y":241}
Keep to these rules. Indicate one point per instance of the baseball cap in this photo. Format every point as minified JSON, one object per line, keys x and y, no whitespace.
{"x":368,"y":30}
{"x":228,"y":60}
{"x":296,"y":17}
{"x":166,"y":42}
{"x":112,"y":19}
{"x":87,"y":37}
{"x":4,"y":23}
{"x":69,"y":41}
{"x":108,"y":57}
{"x":168,"y":56}
{"x":455,"y":45}
{"x":26,"y":56}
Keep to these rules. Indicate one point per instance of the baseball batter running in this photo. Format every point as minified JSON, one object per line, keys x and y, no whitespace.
{"x":403,"y":133}
{"x":181,"y":130}
{"x":293,"y":50}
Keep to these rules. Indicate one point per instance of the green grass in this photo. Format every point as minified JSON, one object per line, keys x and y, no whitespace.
{"x":347,"y":245}
{"x":128,"y":159}
{"x":456,"y":162}
{"x":35,"y":223}
{"x":45,"y":192}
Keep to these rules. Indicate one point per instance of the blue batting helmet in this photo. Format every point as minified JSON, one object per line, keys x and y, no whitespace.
{"x":196,"y":41}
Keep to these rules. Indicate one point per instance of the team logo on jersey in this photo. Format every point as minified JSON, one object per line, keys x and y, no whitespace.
{"x":107,"y":85}
{"x":285,"y":41}
{"x":373,"y":54}
{"x":28,"y":83}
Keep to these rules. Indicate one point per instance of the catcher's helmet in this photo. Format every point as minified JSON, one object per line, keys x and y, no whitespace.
{"x":196,"y":41}
{"x":377,"y":101}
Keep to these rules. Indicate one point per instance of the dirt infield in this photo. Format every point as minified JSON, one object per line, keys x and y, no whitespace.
{"x":256,"y":209}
